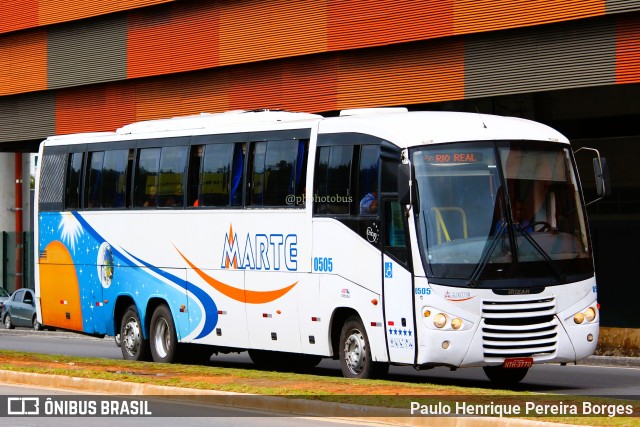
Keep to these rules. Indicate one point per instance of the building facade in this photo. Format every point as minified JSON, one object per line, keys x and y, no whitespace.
{"x":96,"y":65}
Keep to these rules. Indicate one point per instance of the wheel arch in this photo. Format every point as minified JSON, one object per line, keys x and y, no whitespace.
{"x":338,"y":318}
{"x":122,"y":303}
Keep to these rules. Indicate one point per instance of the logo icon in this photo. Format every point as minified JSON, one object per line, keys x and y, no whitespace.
{"x":388,"y":270}
{"x":23,"y":406}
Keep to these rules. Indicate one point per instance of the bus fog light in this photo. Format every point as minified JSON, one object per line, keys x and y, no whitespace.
{"x":590,"y":337}
{"x":440,"y":320}
{"x":445,"y":344}
{"x":590,"y":314}
{"x":578,"y":318}
{"x":456,"y":323}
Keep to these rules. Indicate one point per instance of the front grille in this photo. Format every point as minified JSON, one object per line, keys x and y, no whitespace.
{"x":519,"y":327}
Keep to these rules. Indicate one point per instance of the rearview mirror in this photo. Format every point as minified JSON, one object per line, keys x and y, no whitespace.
{"x":601,"y":171}
{"x":404,"y":184}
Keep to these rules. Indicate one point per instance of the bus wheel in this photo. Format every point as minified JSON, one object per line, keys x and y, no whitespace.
{"x":355,"y":352}
{"x":134,"y":346}
{"x":505,"y":377}
{"x":163,"y":339}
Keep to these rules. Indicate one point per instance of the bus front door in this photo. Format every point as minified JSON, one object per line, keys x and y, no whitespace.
{"x":398,"y":286}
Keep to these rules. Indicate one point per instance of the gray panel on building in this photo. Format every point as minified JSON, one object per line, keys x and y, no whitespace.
{"x":558,"y":56}
{"x":90,"y":51}
{"x":26,"y":117}
{"x":615,"y":6}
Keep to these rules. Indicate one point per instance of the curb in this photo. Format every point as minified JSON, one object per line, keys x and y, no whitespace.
{"x":271,"y":404}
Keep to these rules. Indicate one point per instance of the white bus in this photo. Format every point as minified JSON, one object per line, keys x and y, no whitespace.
{"x":377,"y":237}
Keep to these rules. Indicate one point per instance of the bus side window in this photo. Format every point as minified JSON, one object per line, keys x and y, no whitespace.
{"x":94,"y":179}
{"x":173,"y":162}
{"x":146,"y":178}
{"x":333,"y":180}
{"x":216,"y":175}
{"x":193,"y":175}
{"x":396,"y":237}
{"x":237,"y":168}
{"x":114,"y":179}
{"x":368,"y":180}
{"x":274,"y":173}
{"x":74,"y":173}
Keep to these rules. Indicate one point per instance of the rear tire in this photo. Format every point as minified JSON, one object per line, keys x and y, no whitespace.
{"x":355,"y":352}
{"x":505,"y":377}
{"x":163,"y":339}
{"x":134,"y":346}
{"x":7,"y":322}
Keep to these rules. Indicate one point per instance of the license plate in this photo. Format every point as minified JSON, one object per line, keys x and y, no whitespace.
{"x":518,"y":362}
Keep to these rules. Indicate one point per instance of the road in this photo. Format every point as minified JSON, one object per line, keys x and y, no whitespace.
{"x":570,"y":380}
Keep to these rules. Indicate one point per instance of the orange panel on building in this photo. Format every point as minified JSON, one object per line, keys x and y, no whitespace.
{"x":474,"y":16}
{"x":182,"y":95}
{"x":296,"y":85}
{"x":257,"y":30}
{"x":172,"y":39}
{"x":23,"y":62}
{"x":363,"y":23}
{"x":18,"y":14}
{"x":628,"y":50}
{"x":417,"y":73}
{"x":56,"y":11}
{"x":101,"y":108}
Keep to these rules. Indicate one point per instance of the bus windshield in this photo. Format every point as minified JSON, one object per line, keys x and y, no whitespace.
{"x":499,"y":214}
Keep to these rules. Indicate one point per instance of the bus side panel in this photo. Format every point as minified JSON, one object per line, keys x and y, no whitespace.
{"x":273,"y":324}
{"x":59,"y":288}
{"x":314,"y":318}
{"x":351,"y":277}
{"x":231,"y":327}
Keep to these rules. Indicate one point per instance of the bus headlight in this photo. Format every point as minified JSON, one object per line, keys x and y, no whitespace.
{"x":440,"y":320}
{"x":435,"y":319}
{"x":588,"y":315}
{"x":456,"y":323}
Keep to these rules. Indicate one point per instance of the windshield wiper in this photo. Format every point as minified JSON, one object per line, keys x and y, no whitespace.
{"x":545,"y":255}
{"x":489,"y":247}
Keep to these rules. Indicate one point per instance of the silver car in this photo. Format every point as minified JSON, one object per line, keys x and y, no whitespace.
{"x":4,"y":295}
{"x":20,"y":310}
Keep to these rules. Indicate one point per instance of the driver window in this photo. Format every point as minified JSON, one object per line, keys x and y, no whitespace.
{"x":395,"y":232}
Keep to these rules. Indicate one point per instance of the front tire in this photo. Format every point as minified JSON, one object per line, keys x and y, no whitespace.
{"x":37,"y":326}
{"x":163,"y":339}
{"x":355,"y":352}
{"x":505,"y":377}
{"x":7,"y":322}
{"x":134,"y":346}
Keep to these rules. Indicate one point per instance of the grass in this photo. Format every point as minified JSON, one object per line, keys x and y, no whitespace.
{"x":378,"y":393}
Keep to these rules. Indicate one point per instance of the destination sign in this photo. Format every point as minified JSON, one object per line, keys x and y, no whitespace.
{"x":454,"y":157}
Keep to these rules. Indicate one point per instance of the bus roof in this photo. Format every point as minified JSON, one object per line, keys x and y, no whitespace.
{"x":409,"y":129}
{"x":397,"y":125}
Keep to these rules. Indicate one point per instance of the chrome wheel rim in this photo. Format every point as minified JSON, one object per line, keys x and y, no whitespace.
{"x":162,"y":338}
{"x":355,"y":352}
{"x":131,"y":337}
{"x":7,"y":321}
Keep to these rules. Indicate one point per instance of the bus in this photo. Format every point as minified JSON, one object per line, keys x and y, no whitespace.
{"x":377,"y":237}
